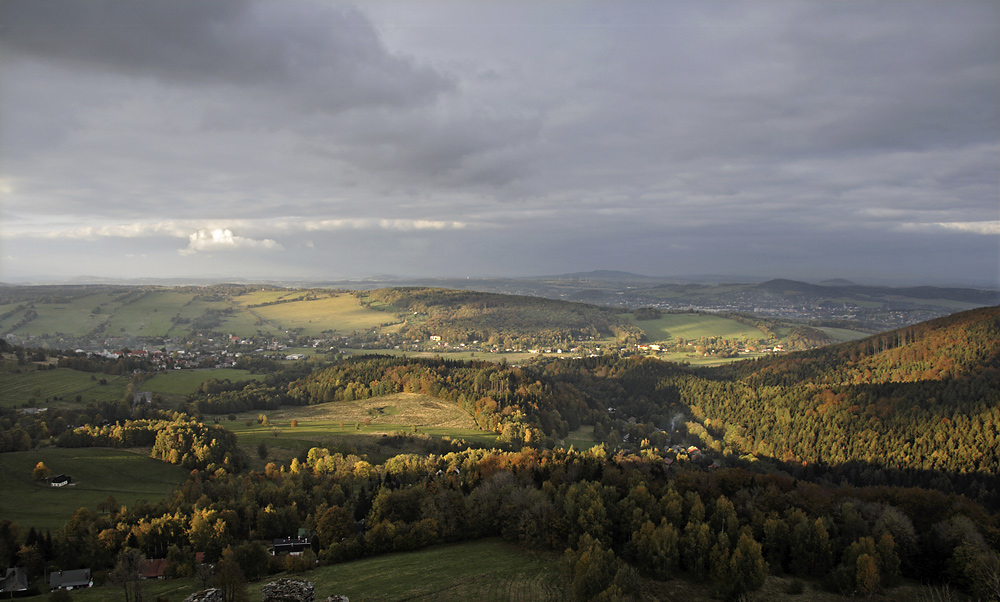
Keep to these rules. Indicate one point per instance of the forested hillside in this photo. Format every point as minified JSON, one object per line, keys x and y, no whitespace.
{"x":917,"y":406}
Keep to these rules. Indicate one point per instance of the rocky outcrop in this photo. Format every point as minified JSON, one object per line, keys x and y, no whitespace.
{"x":205,"y":595}
{"x":288,"y":590}
{"x":336,"y":598}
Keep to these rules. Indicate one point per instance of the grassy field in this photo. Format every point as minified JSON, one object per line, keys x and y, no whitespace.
{"x":149,"y":316}
{"x":73,"y":318}
{"x":341,"y":424}
{"x":185,"y":382}
{"x":153,"y":314}
{"x":700,"y":360}
{"x":342,"y":313}
{"x":486,"y":570}
{"x":840,"y":335}
{"x":695,"y":326}
{"x":43,"y":385}
{"x":581,"y":438}
{"x":96,"y":472}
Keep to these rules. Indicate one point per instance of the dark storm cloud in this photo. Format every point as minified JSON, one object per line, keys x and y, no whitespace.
{"x":329,"y":56}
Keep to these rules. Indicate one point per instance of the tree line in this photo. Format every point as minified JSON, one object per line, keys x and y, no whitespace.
{"x":611,"y":516}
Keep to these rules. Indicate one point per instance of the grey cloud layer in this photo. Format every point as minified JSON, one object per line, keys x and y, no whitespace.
{"x":645,"y":126}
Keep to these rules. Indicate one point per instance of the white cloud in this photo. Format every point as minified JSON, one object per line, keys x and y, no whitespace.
{"x":986,"y":227}
{"x":223,"y":239}
{"x":215,"y":232}
{"x":974,"y":227}
{"x":369,"y":224}
{"x":134,"y":230}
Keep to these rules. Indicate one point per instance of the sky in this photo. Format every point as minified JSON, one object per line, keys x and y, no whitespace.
{"x":319,"y":140}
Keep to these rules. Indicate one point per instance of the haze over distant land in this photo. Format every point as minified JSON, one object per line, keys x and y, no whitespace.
{"x":321,"y":141}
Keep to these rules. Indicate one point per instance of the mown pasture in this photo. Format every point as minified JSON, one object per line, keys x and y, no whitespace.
{"x":38,"y":388}
{"x":96,"y":472}
{"x":695,"y":359}
{"x":487,"y":570}
{"x":841,"y":335}
{"x":695,"y":326}
{"x":185,"y":382}
{"x":150,"y":316}
{"x":355,"y":425}
{"x":76,"y":317}
{"x":328,"y":312}
{"x":168,"y":312}
{"x":581,"y":438}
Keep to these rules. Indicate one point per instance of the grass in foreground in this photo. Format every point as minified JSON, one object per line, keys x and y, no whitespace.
{"x":484,"y":570}
{"x":487,"y":570}
{"x":96,"y":472}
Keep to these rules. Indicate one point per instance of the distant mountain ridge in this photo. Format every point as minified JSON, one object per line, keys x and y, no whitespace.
{"x":967,"y":295}
{"x":609,"y":275}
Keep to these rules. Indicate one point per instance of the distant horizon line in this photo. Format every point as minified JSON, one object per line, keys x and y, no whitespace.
{"x":603,"y":274}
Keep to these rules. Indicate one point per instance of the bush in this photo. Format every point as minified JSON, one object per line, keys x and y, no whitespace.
{"x":796,"y":587}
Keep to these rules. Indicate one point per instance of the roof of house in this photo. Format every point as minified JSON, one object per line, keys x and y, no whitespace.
{"x":153,"y":568}
{"x":72,"y":578}
{"x":62,"y":478}
{"x":291,"y":543}
{"x":16,"y":580}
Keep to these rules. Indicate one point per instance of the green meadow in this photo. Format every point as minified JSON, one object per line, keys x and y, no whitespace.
{"x":96,"y":472}
{"x":487,"y":570}
{"x":694,"y":359}
{"x":695,"y":326}
{"x":185,"y":382}
{"x":840,"y":335}
{"x":356,"y":425}
{"x":339,"y":313}
{"x":37,"y":388}
{"x":168,"y":312}
{"x":150,"y":316}
{"x":76,"y":317}
{"x":581,"y":438}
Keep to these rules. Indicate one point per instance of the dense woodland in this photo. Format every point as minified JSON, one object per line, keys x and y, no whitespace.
{"x":853,"y":465}
{"x":611,"y":516}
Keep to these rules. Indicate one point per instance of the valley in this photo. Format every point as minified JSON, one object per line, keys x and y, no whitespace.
{"x":676,"y":450}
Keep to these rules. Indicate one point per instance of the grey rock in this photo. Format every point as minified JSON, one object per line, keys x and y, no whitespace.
{"x":205,"y":595}
{"x":288,"y":590}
